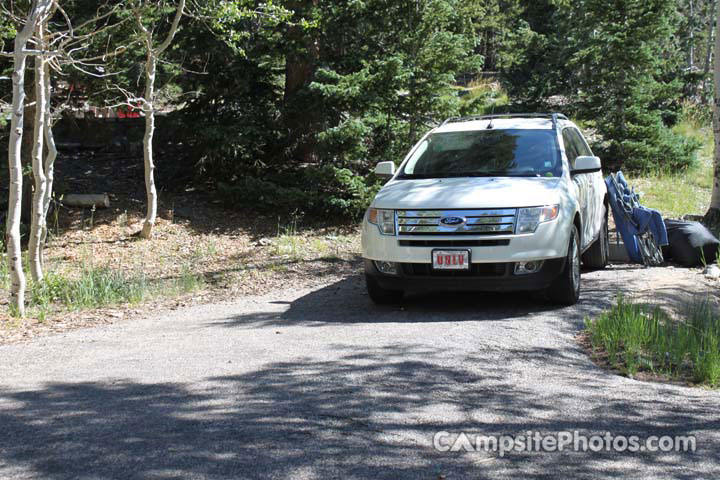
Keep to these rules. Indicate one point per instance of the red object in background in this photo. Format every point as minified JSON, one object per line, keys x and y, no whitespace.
{"x":124,"y":112}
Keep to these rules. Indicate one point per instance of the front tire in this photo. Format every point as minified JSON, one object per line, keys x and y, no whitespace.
{"x":597,"y":256}
{"x":380,"y":295}
{"x":565,"y":290}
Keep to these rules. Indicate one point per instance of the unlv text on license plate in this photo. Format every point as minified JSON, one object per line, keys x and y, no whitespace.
{"x":451,"y":259}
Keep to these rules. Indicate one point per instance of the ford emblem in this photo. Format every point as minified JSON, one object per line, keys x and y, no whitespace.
{"x":452,"y":221}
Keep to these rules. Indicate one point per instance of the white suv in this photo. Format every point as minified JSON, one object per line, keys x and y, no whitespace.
{"x":489,"y":203}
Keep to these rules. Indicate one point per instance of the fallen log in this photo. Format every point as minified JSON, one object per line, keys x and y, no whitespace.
{"x":88,"y":200}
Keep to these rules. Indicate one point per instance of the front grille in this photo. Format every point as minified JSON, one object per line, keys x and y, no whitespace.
{"x":454,"y":243}
{"x":470,"y":222}
{"x":476,"y":270}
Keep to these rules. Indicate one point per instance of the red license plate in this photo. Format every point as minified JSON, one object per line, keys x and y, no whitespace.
{"x":451,"y":259}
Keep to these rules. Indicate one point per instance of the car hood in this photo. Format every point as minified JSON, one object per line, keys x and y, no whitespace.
{"x":463,"y":193}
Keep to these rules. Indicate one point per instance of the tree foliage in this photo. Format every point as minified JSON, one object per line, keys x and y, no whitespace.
{"x":331,"y":90}
{"x":298,"y":99}
{"x":624,"y":59}
{"x":616,"y":65}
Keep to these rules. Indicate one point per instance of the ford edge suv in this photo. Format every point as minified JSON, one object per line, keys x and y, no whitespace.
{"x":489,"y":203}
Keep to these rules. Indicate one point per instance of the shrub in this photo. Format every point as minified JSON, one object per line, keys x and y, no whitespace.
{"x":643,"y":143}
{"x":323,"y":190}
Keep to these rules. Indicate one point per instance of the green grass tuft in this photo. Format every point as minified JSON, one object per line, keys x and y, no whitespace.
{"x":637,"y":337}
{"x":4,"y":272}
{"x":187,"y":282}
{"x":98,"y":287}
{"x":483,"y":97}
{"x":676,"y":194}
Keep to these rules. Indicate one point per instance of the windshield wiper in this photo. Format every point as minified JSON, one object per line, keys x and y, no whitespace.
{"x":496,"y":173}
{"x":414,"y":176}
{"x":529,"y":175}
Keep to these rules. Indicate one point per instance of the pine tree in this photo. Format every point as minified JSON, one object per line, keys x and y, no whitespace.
{"x":389,"y":71}
{"x":534,"y":52}
{"x":363,"y":79}
{"x":623,"y":52}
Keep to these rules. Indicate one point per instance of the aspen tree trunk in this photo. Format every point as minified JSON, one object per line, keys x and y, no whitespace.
{"x":691,"y":53}
{"x":712,"y":217}
{"x":151,"y":215}
{"x":49,"y":161}
{"x":150,"y":72}
{"x":12,"y":236}
{"x":37,"y":224}
{"x":709,"y":51}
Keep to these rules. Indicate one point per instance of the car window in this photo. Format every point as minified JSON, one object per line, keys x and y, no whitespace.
{"x":419,"y":152}
{"x":570,"y":146}
{"x":579,"y":143}
{"x":502,"y":152}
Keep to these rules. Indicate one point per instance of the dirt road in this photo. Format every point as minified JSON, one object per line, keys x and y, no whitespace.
{"x":321,"y":384}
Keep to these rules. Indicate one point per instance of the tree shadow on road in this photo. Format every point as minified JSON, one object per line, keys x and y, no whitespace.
{"x":346,"y":302}
{"x":367,"y":410}
{"x":368,"y":413}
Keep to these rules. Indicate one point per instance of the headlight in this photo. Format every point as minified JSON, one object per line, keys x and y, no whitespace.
{"x":530,"y":218}
{"x":384,"y":219}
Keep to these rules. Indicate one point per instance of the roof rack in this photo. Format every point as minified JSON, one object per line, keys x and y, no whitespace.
{"x":552,"y":116}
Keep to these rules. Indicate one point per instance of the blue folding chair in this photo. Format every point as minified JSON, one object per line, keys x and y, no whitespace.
{"x":642,"y":229}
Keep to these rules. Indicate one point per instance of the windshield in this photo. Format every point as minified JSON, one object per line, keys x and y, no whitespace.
{"x":486,"y":153}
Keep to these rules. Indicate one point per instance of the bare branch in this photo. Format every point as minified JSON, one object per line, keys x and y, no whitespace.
{"x":98,"y":17}
{"x":187,"y":70}
{"x":62,"y":11}
{"x":173,"y":28}
{"x":42,"y":53}
{"x":92,"y":74}
{"x":83,"y":38}
{"x":118,"y":51}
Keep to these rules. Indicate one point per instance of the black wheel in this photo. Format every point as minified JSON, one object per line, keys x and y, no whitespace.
{"x":565,"y":290}
{"x":380,"y":295}
{"x":597,"y":256}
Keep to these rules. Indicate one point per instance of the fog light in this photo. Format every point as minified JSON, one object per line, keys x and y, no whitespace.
{"x":526,"y":268}
{"x":388,"y":268}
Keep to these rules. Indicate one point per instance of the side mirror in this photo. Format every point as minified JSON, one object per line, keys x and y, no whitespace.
{"x":385,"y":169}
{"x":586,"y":164}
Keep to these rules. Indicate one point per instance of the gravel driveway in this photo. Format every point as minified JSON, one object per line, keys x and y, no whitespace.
{"x":321,"y":384}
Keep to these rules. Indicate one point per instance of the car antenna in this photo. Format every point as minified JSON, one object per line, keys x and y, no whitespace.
{"x":490,"y":125}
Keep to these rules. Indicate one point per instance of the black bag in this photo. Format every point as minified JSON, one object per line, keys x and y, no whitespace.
{"x":691,"y":243}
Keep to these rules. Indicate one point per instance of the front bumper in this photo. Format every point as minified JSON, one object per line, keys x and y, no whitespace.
{"x":487,"y":277}
{"x":550,"y":241}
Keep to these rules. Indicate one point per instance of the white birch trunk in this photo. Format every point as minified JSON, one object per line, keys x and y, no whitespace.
{"x":37,"y":224}
{"x":12,"y":235}
{"x":715,"y":199}
{"x":709,"y":51}
{"x":691,"y":53}
{"x":151,"y":215}
{"x":150,"y":72}
{"x":49,"y":161}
